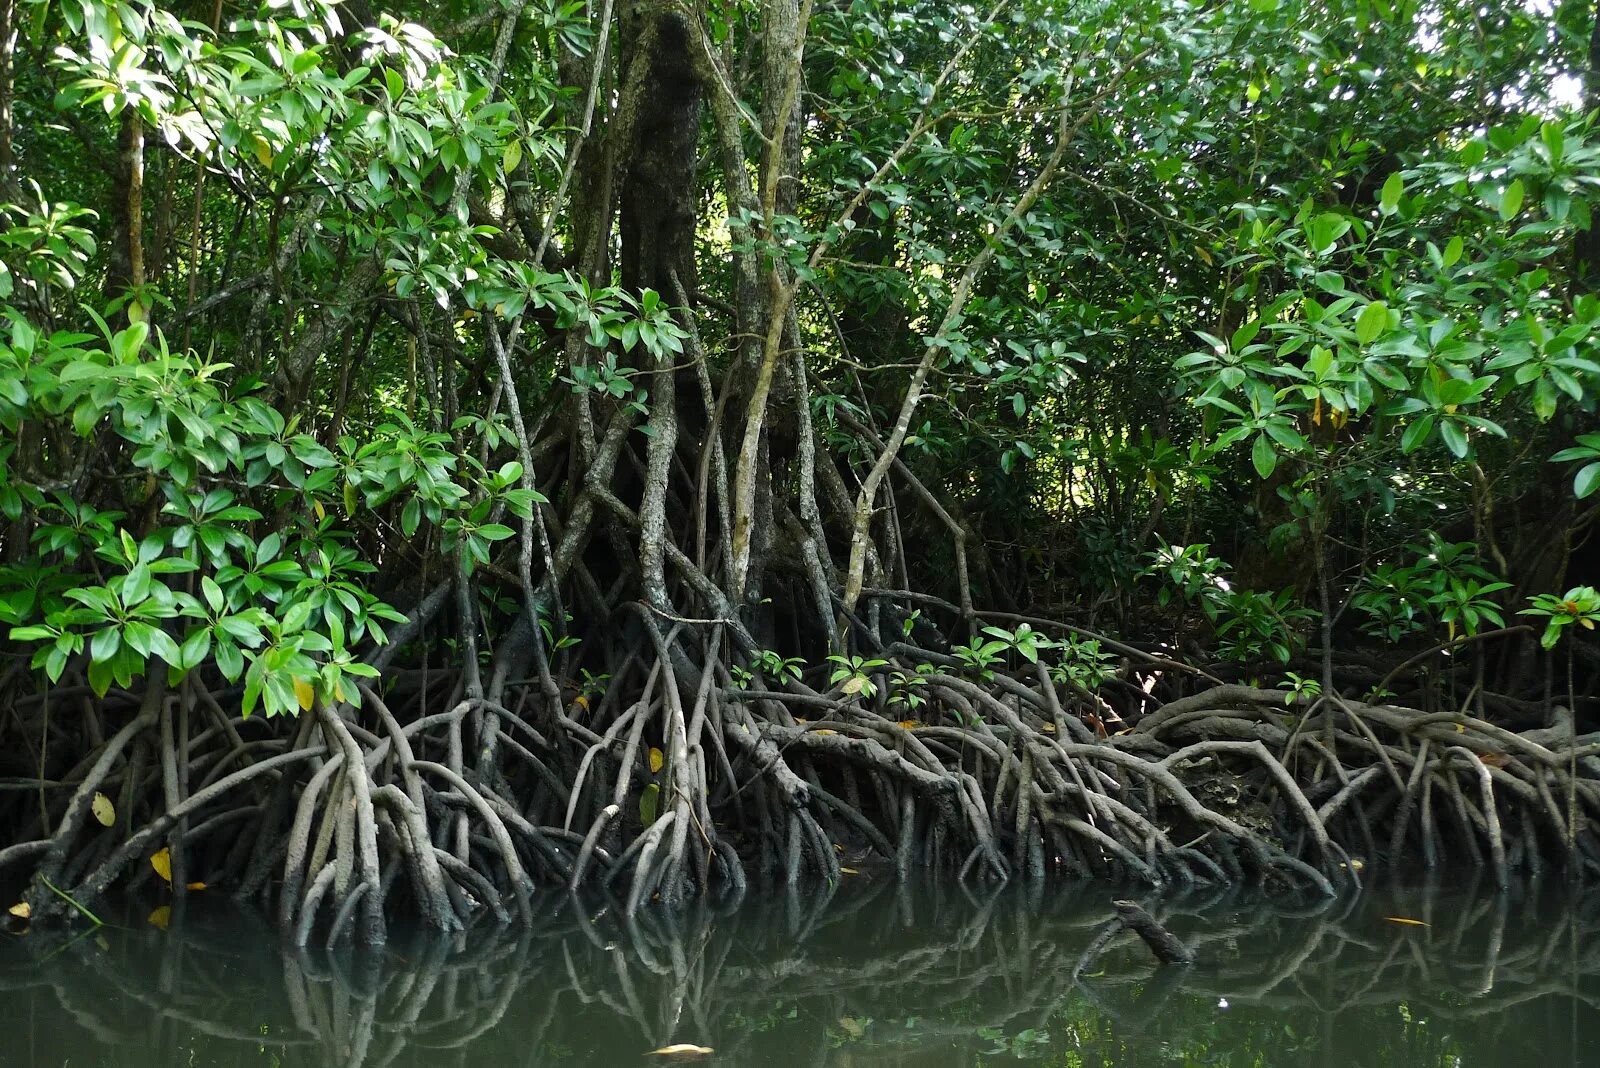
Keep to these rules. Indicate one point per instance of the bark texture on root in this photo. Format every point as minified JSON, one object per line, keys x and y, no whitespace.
{"x":692,"y":774}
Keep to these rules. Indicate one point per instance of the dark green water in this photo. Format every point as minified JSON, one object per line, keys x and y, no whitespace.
{"x":873,"y":976}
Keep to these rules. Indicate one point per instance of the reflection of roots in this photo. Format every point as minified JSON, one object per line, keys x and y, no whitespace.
{"x":693,"y":786}
{"x":880,"y":952}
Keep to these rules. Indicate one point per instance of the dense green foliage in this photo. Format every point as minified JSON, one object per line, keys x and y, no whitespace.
{"x":1365,"y":215}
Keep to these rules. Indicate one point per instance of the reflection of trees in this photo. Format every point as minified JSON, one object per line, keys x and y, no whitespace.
{"x":876,"y":975}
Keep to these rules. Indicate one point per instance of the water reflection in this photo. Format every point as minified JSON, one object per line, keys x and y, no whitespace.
{"x":874,"y":975}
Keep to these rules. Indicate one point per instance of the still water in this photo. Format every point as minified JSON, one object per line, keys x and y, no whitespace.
{"x":873,"y":975}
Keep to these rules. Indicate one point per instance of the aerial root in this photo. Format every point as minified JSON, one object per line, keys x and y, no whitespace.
{"x":699,"y":785}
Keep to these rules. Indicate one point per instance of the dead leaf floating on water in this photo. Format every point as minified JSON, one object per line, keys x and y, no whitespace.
{"x":103,"y":809}
{"x":21,"y":910}
{"x":1405,"y":920}
{"x":682,"y":1050}
{"x":161,"y":917}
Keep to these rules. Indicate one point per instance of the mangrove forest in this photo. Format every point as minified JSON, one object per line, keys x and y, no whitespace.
{"x":458,"y":454}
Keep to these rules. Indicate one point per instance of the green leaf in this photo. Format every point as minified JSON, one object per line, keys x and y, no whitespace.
{"x":1587,"y":481}
{"x":31,"y":634}
{"x":1554,"y":139}
{"x":230,"y":661}
{"x":649,"y":803}
{"x":1385,"y":375}
{"x":195,"y":648}
{"x":104,"y":645}
{"x":1511,"y":201}
{"x":126,"y":345}
{"x":1324,"y":232}
{"x":1374,"y":318}
{"x":1454,"y":437}
{"x":1263,"y":456}
{"x":1416,"y":434}
{"x":1552,"y":632}
{"x":1283,"y":432}
{"x":100,"y":676}
{"x":1389,"y":199}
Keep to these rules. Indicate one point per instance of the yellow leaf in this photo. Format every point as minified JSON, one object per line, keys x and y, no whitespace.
{"x":853,"y":684}
{"x":161,"y":917}
{"x":21,"y":910}
{"x":161,"y":861}
{"x":304,"y":694}
{"x":316,"y":506}
{"x":1049,"y":728}
{"x":852,"y":1026}
{"x":1204,"y":255}
{"x":909,"y":724}
{"x":263,"y":152}
{"x":103,"y":809}
{"x":657,"y":758}
{"x":581,"y":701}
{"x":1406,"y":921}
{"x":824,"y":730}
{"x":1586,"y":624}
{"x":196,"y":886}
{"x":800,"y":721}
{"x":680,"y":1049}
{"x":849,"y":871}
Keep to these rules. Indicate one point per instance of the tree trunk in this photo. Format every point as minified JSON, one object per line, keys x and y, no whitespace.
{"x":125,"y":273}
{"x":1586,"y":247}
{"x":659,"y":188}
{"x":8,"y":46}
